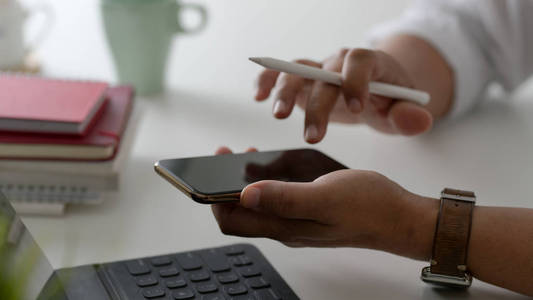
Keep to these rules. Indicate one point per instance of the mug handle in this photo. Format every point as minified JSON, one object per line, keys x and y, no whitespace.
{"x":47,"y":11}
{"x":195,"y":7}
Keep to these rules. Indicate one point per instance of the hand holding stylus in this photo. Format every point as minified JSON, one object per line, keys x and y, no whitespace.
{"x":308,"y":72}
{"x":362,"y":86}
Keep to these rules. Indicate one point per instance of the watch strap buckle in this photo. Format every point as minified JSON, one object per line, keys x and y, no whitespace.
{"x":446,"y":280}
{"x":458,"y":195}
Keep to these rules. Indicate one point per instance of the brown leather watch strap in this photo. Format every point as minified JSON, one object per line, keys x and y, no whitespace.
{"x":453,"y":233}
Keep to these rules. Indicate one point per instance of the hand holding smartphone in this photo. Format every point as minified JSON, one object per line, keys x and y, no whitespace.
{"x":221,"y":178}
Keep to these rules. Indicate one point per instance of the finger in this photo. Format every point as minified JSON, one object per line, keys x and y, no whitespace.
{"x":266,"y":81}
{"x":357,"y":70}
{"x":285,"y":199}
{"x":290,"y":87}
{"x":319,"y":106}
{"x":303,"y":95}
{"x":231,"y":217}
{"x":381,"y":103}
{"x":219,"y":210}
{"x":410,"y":119}
{"x":223,"y":150}
{"x":321,"y":102}
{"x":251,"y":149}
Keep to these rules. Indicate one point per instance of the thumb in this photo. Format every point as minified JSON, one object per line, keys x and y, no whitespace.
{"x":409,"y":118}
{"x":284,"y":199}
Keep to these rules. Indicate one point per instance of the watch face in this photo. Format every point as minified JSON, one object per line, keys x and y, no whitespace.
{"x":445,"y":280}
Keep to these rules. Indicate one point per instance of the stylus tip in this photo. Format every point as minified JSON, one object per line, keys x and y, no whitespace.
{"x":256,"y":60}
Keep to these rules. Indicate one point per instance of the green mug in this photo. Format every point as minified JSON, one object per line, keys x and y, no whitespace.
{"x":139,"y":33}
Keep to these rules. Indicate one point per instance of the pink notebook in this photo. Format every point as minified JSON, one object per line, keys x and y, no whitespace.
{"x":100,"y":143}
{"x":40,"y":105}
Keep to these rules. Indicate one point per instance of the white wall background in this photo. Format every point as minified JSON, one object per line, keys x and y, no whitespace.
{"x":237,"y":28}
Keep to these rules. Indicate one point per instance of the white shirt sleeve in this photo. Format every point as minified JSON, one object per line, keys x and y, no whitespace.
{"x":483,"y":41}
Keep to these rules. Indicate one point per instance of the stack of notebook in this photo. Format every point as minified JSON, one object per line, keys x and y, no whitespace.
{"x":61,"y":142}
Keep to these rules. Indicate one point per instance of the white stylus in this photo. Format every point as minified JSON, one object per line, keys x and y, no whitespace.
{"x":377,"y":88}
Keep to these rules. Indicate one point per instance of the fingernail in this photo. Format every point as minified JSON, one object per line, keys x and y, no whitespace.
{"x":311,"y":133}
{"x":279,"y":107}
{"x":355,"y":105}
{"x":258,"y":94}
{"x":251,"y":198}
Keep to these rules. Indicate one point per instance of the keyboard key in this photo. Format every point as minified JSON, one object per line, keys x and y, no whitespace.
{"x":137,"y":267}
{"x":146,"y":281}
{"x":234,"y":260}
{"x":257,"y":283}
{"x":215,"y":261}
{"x":249,"y":271}
{"x":245,"y":260}
{"x":267,"y":295}
{"x":183,"y":294}
{"x":244,"y":297}
{"x":205,"y":288}
{"x":241,"y":260}
{"x":228,"y":278}
{"x":175,"y":283}
{"x":199,"y":276}
{"x":233,"y":250}
{"x":216,"y":296}
{"x":161,"y":261}
{"x":168,"y":272}
{"x":236,"y":289}
{"x":189,"y":261}
{"x":152,"y":293}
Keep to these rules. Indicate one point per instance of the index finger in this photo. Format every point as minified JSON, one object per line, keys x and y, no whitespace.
{"x":322,"y":101}
{"x":265,"y":82}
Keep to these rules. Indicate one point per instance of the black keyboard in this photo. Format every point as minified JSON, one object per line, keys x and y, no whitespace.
{"x":233,"y":272}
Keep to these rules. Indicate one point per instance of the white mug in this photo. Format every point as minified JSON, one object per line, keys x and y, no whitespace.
{"x":13,"y":46}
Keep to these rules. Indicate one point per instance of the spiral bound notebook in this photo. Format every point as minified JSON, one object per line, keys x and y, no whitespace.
{"x":31,"y":203}
{"x":71,"y":194}
{"x":49,"y":200}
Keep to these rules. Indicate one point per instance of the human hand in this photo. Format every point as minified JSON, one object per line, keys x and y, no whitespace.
{"x":346,"y":208}
{"x":350,"y":103}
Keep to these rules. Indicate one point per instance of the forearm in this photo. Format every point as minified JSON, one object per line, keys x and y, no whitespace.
{"x":426,"y":67}
{"x":500,"y":247}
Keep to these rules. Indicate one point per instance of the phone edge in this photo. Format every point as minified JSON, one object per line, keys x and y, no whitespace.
{"x":198,"y":197}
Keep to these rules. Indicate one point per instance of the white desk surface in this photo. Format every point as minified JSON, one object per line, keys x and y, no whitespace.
{"x":209,"y":103}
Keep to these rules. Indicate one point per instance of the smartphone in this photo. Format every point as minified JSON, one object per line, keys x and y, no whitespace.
{"x":221,"y":178}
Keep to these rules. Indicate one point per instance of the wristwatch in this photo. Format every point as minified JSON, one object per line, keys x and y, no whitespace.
{"x":450,"y":245}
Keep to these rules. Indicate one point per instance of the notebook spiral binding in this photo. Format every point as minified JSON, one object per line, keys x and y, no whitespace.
{"x":65,"y":194}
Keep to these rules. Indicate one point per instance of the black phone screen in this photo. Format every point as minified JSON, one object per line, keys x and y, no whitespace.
{"x":230,"y":173}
